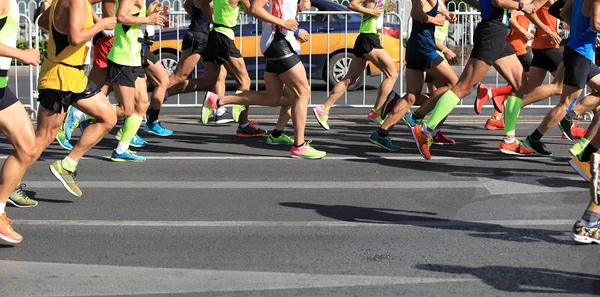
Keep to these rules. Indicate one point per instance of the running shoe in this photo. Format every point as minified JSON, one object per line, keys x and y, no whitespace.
{"x":251,"y":130}
{"x":582,"y":234}
{"x":306,"y":152}
{"x":19,"y":198}
{"x":565,"y":128}
{"x":576,"y":149}
{"x":409,"y":121}
{"x":498,"y":102}
{"x":62,"y":140}
{"x":225,"y":118}
{"x":484,"y":94}
{"x":494,"y":124}
{"x":390,"y":102}
{"x":84,"y":125}
{"x":156,"y":128}
{"x":422,"y":141}
{"x":127,"y":156}
{"x":7,"y":233}
{"x":322,"y":116}
{"x":375,"y":116}
{"x":136,"y":141}
{"x":515,"y":148}
{"x":595,"y":175}
{"x":237,"y":110}
{"x":70,"y":122}
{"x":577,"y":131}
{"x":441,"y":139}
{"x":582,"y":168}
{"x":283,"y":139}
{"x":209,"y":105}
{"x":537,"y":147}
{"x":66,"y":177}
{"x":383,"y":142}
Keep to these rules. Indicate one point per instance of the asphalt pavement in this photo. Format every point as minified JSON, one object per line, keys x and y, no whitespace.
{"x":210,"y":214}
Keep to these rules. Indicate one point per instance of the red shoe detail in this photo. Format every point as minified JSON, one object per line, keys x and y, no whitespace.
{"x":494,"y":125}
{"x":483,"y":96}
{"x":498,"y":102}
{"x":442,"y":139}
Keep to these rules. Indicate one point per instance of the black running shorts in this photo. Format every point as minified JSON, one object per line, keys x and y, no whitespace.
{"x":490,"y":42}
{"x":365,"y":43}
{"x":220,"y":50}
{"x":195,"y":42}
{"x":147,"y":55}
{"x":548,"y":59}
{"x":7,"y":98}
{"x":525,"y":60}
{"x":124,"y":75}
{"x":280,"y":56}
{"x":58,"y":101}
{"x":578,"y":69}
{"x":423,"y":64}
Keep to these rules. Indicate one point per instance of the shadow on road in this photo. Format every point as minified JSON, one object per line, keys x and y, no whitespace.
{"x":526,"y":280}
{"x":348,"y":213}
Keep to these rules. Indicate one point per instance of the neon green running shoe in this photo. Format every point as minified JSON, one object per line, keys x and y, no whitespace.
{"x":322,"y":116}
{"x":307,"y":152}
{"x":19,"y":198}
{"x":576,"y":149}
{"x":66,"y":177}
{"x":62,"y":140}
{"x":237,"y":110}
{"x":283,"y":139}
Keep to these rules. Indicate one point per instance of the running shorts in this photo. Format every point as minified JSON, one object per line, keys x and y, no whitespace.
{"x":220,"y":50}
{"x":7,"y":98}
{"x":423,"y":64}
{"x":525,"y":60}
{"x":578,"y":69}
{"x":124,"y":75}
{"x":365,"y":43}
{"x":548,"y":59}
{"x":58,"y":101}
{"x":101,"y":49}
{"x":280,"y":56}
{"x":195,"y":42}
{"x":490,"y":42}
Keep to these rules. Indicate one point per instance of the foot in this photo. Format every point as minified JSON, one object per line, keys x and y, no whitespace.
{"x":7,"y":233}
{"x":498,"y":102}
{"x":209,"y":106}
{"x":375,"y":116}
{"x":251,"y":130}
{"x":576,"y":149}
{"x":156,"y":128}
{"x":283,"y":139}
{"x":515,"y":148}
{"x":494,"y":124}
{"x":19,"y":198}
{"x":537,"y":147}
{"x":62,"y":140}
{"x":483,"y":96}
{"x":565,"y":128}
{"x":237,"y":110}
{"x":383,"y":142}
{"x":442,"y":139}
{"x":389,"y":104}
{"x":595,"y":171}
{"x":576,"y":131}
{"x":70,"y":122}
{"x":136,"y":141}
{"x":409,"y":121}
{"x":127,"y":156}
{"x":582,"y":168}
{"x":67,"y":178}
{"x":422,"y":141}
{"x":583,"y":234}
{"x":306,"y":152}
{"x":322,"y":116}
{"x":225,"y":118}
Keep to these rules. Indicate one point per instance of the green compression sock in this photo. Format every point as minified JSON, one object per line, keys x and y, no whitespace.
{"x":130,"y":127}
{"x":511,"y":114}
{"x":442,"y":109}
{"x":69,"y":164}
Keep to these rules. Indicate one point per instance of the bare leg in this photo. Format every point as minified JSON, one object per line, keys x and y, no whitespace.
{"x":356,"y":68}
{"x":382,"y":60}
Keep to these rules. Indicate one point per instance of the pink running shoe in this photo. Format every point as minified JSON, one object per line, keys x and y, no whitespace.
{"x":209,"y":106}
{"x":322,"y":116}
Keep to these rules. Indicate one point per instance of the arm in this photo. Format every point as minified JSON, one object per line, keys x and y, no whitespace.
{"x":29,"y":56}
{"x":205,"y":7}
{"x":472,"y":3}
{"x":565,"y":12}
{"x":257,"y":9}
{"x":450,"y":55}
{"x":187,"y":5}
{"x":515,"y":25}
{"x":355,"y":5}
{"x":95,"y":16}
{"x":417,"y":13}
{"x":124,"y":15}
{"x":44,"y":20}
{"x":76,"y":34}
{"x":595,"y":16}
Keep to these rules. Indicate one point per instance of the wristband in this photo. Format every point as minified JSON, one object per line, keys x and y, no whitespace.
{"x":297,"y":32}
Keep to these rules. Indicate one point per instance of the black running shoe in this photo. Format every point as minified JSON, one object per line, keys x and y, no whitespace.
{"x":251,"y":130}
{"x":537,"y":146}
{"x":565,"y":128}
{"x":390,"y":103}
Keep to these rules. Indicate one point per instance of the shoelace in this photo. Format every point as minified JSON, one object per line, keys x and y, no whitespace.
{"x":20,"y":191}
{"x":253,"y":125}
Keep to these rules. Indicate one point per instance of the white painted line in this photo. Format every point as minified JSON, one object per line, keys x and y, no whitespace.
{"x":434,"y":222}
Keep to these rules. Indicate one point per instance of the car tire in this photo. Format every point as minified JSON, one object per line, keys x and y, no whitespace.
{"x":169,"y":61}
{"x":338,"y":67}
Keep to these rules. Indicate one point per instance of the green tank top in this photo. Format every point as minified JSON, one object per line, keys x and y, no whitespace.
{"x":441,"y":33}
{"x":225,"y":17}
{"x":127,"y":49}
{"x":9,"y":30}
{"x":370,"y":23}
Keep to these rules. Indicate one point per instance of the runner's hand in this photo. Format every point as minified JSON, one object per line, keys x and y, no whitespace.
{"x":554,"y":38}
{"x":528,"y":35}
{"x":108,"y":23}
{"x":302,"y":36}
{"x":304,"y":5}
{"x":290,"y":24}
{"x":156,"y":19}
{"x":391,"y":6}
{"x":377,"y":11}
{"x":450,"y":55}
{"x":154,"y":7}
{"x":30,"y":56}
{"x":451,"y":17}
{"x":528,"y":8}
{"x":438,"y":20}
{"x":165,"y":11}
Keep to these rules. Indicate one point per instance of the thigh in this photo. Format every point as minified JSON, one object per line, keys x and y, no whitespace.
{"x":414,"y":81}
{"x":187,"y":63}
{"x":536,"y":77}
{"x":356,"y":68}
{"x":16,"y":125}
{"x":511,"y":70}
{"x":382,"y":60}
{"x":237,"y":68}
{"x":473,"y":73}
{"x":157,"y":72}
{"x":295,"y":79}
{"x":97,"y":106}
{"x":274,"y":86}
{"x":443,"y":72}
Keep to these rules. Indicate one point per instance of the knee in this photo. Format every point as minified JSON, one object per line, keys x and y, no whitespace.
{"x":462,"y":90}
{"x":392,"y":75}
{"x":128,"y":110}
{"x":304,"y":92}
{"x":107,"y":120}
{"x":26,"y":151}
{"x":558,"y":90}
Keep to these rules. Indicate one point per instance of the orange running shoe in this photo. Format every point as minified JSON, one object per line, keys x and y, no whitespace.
{"x":515,"y":148}
{"x":442,"y":139}
{"x":494,"y":124}
{"x":498,"y":102}
{"x":484,"y":94}
{"x":422,"y":141}
{"x":7,"y":233}
{"x":576,"y":131}
{"x":582,"y":168}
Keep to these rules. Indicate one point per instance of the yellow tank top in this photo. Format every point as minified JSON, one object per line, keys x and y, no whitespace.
{"x":62,"y":68}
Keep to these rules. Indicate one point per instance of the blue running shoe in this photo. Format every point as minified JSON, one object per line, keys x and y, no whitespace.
{"x":127,"y":156}
{"x":84,"y":125}
{"x":137,"y":141}
{"x":383,"y":142}
{"x":70,"y":122}
{"x":157,"y":129}
{"x":62,"y":140}
{"x":408,"y":120}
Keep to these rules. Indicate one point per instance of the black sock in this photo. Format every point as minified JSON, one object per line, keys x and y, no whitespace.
{"x":299,"y":145}
{"x":153,"y":115}
{"x":417,"y":116}
{"x":591,"y":217}
{"x":219,"y":102}
{"x":276,"y":133}
{"x":536,"y":135}
{"x":587,"y":153}
{"x":570,"y":116}
{"x":382,"y":132}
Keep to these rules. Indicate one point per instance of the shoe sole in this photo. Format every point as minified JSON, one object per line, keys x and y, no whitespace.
{"x":63,"y":146}
{"x":563,"y":133}
{"x":220,"y":122}
{"x":407,"y":123}
{"x":584,"y":239}
{"x":63,"y":182}
{"x":8,"y":240}
{"x":131,"y":144}
{"x":126,"y":160}
{"x":578,"y":171}
{"x":444,"y":143}
{"x":324,"y":126}
{"x":507,"y":152}
{"x":412,"y":130}
{"x":375,"y":121}
{"x":308,"y":158}
{"x":157,"y":134}
{"x":382,"y":146}
{"x":528,"y":145}
{"x":493,"y":128}
{"x":19,"y":205}
{"x":250,"y":135}
{"x":573,"y":152}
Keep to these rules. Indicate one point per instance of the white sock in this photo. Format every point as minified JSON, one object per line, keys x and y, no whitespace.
{"x":2,"y":206}
{"x":425,"y":131}
{"x":122,"y":147}
{"x":79,"y":115}
{"x":509,"y":140}
{"x":435,"y":132}
{"x":221,"y":111}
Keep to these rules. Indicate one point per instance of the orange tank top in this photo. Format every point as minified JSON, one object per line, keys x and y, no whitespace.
{"x":517,"y":40}
{"x":541,"y":40}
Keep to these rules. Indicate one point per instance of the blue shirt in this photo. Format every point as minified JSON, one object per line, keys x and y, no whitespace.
{"x":582,"y":38}
{"x":489,"y":12}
